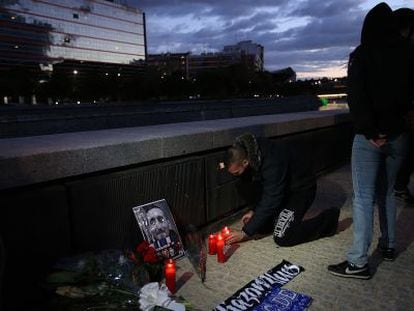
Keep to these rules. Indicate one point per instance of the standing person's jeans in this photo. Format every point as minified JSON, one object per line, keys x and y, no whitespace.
{"x":374,"y":171}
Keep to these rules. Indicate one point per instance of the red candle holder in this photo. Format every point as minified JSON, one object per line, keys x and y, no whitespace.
{"x":212,"y":244}
{"x":220,"y":249}
{"x":170,"y":272}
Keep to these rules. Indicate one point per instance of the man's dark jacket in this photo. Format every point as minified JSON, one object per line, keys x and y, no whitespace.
{"x":279,"y":175}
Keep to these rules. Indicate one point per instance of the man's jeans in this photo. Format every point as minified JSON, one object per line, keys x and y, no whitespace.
{"x":374,"y":171}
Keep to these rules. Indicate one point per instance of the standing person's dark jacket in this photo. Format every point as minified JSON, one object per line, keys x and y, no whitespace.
{"x":379,"y":70}
{"x":274,"y":178}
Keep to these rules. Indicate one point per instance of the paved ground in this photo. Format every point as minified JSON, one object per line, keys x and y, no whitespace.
{"x":391,"y":288}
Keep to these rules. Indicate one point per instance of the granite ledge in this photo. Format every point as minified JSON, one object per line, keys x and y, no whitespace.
{"x":36,"y":159}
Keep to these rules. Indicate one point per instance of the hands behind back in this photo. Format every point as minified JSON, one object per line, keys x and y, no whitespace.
{"x":380,"y":141}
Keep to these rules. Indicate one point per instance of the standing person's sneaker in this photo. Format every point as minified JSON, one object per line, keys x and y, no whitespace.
{"x":388,"y":254}
{"x":404,"y":196}
{"x":349,"y":270}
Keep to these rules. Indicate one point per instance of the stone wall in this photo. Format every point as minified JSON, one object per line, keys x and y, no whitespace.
{"x":66,"y":193}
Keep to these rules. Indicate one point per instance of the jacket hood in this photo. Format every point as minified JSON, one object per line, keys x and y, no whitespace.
{"x":379,"y":26}
{"x":404,"y":19}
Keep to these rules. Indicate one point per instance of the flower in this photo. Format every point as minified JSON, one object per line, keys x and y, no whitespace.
{"x":151,"y":256}
{"x":147,"y":262}
{"x":142,"y":247}
{"x":154,"y":294}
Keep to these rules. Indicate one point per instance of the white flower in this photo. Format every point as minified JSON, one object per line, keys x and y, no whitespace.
{"x":152,"y":294}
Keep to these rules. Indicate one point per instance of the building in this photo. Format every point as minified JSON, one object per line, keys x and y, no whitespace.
{"x":48,"y":32}
{"x":75,"y":36}
{"x":285,"y":75}
{"x":246,"y":53}
{"x":170,"y":63}
{"x":207,"y":61}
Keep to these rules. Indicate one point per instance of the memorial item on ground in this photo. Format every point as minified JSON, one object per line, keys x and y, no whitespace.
{"x":265,"y":292}
{"x":158,"y":227}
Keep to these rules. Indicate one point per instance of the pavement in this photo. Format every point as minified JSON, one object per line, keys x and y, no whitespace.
{"x":390,"y":288}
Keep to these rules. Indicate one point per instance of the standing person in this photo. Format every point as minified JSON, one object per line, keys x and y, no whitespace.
{"x":405,"y":21}
{"x":280,"y":192}
{"x":378,"y":97}
{"x":2,"y":265}
{"x":401,"y":190}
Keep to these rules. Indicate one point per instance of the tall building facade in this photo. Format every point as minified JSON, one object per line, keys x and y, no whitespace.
{"x":47,"y":32}
{"x":68,"y":49}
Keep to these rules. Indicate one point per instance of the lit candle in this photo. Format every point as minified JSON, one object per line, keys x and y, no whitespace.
{"x":212,"y":244}
{"x":169,"y":272}
{"x":225,"y":232}
{"x":220,"y":249}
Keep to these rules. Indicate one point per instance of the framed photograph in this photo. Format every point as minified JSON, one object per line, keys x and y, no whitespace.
{"x":159,"y":229}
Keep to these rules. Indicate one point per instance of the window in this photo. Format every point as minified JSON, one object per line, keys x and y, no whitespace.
{"x":76,"y":15}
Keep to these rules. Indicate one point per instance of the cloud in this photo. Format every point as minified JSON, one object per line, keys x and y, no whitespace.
{"x":323,"y":9}
{"x":308,"y":35}
{"x":223,"y":8}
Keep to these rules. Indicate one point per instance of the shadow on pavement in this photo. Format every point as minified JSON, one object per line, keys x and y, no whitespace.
{"x":405,"y":229}
{"x":404,"y":237}
{"x":344,"y":224}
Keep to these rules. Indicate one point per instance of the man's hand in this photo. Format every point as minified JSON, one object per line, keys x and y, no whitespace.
{"x":246,"y":217}
{"x":236,"y":236}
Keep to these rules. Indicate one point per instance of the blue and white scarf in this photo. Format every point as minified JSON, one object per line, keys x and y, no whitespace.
{"x":265,"y":292}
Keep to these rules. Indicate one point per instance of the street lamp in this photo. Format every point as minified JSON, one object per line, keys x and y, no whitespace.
{"x":74,"y":86}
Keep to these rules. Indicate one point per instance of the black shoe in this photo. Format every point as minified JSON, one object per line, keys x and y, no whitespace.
{"x":388,"y":254}
{"x":349,"y":270}
{"x":330,"y":222}
{"x":404,"y":196}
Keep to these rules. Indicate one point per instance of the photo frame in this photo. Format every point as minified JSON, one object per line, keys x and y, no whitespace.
{"x":158,"y":228}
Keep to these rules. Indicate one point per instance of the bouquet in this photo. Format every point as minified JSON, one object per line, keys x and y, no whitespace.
{"x":148,"y":266}
{"x":111,"y":280}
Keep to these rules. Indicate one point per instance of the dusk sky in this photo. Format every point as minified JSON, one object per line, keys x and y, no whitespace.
{"x":314,"y":37}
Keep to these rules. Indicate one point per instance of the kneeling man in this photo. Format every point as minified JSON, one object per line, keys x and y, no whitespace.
{"x":279,"y":191}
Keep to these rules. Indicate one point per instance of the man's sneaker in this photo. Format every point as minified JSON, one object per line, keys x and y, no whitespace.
{"x":387,"y":254}
{"x":404,"y":196}
{"x":349,"y":270}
